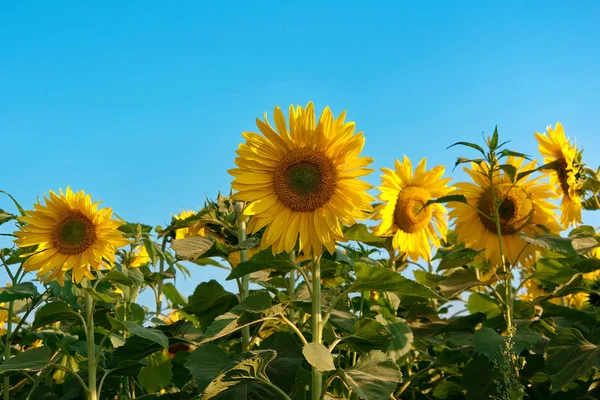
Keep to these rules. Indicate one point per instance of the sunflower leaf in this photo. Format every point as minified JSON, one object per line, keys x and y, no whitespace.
{"x":32,"y":360}
{"x":467,"y":144}
{"x":459,"y":198}
{"x":510,"y":153}
{"x":360,"y":233}
{"x":550,"y":242}
{"x":569,"y":356}
{"x":554,"y":165}
{"x":318,"y":356}
{"x":509,"y":170}
{"x":374,"y":377}
{"x":493,"y":142}
{"x":53,"y":312}
{"x":20,"y":291}
{"x":21,"y":210}
{"x":192,"y":247}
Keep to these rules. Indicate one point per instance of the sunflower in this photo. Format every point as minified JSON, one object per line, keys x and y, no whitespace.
{"x":302,"y":181}
{"x":525,"y":208}
{"x":70,"y":233}
{"x":140,"y":257}
{"x":195,"y":229}
{"x":557,"y":148}
{"x":414,"y":229}
{"x":3,"y":315}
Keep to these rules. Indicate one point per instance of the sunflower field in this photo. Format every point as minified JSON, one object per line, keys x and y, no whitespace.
{"x":418,"y":289}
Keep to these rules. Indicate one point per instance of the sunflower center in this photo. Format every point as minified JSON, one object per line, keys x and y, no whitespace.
{"x":563,"y":175}
{"x":74,"y":234}
{"x":515,"y":210}
{"x":409,"y":214}
{"x":304,"y":180}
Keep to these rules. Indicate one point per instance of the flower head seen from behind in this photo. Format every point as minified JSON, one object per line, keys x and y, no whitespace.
{"x":556,"y":147}
{"x":301,"y":179}
{"x":415,"y":229}
{"x":525,"y":207}
{"x":71,"y":234}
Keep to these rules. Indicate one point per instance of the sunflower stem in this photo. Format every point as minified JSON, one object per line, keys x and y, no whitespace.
{"x":161,"y":271}
{"x":89,"y":312}
{"x":292,"y":284}
{"x":317,"y":327}
{"x":7,"y":348}
{"x":239,"y":207}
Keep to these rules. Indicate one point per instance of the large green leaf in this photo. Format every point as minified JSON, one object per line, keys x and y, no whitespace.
{"x":374,"y":377}
{"x":153,"y":335}
{"x":192,"y":247}
{"x":318,"y":356}
{"x":360,"y":233}
{"x":246,"y":369}
{"x":26,"y":290}
{"x":402,"y":336}
{"x":286,"y":368}
{"x":457,"y":258}
{"x":550,"y":242}
{"x":31,"y":360}
{"x":205,"y":363}
{"x":157,"y":374}
{"x":459,"y":281}
{"x":489,"y":343}
{"x":368,"y":334}
{"x":480,"y":302}
{"x":480,"y":379}
{"x":208,"y":301}
{"x":263,"y":260}
{"x":53,"y":312}
{"x":569,"y":356}
{"x":385,"y":280}
{"x":173,"y":295}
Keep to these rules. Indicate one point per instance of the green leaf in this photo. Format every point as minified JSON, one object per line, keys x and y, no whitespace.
{"x":525,"y":339}
{"x":360,"y":233}
{"x":173,"y":295}
{"x":554,"y":165}
{"x":493,"y":143}
{"x":509,"y":153}
{"x":489,"y":343}
{"x":479,"y":302}
{"x":457,"y":258}
{"x":53,"y":312}
{"x":586,"y":265}
{"x":509,"y":170}
{"x":385,"y":280}
{"x":479,"y":378}
{"x":6,"y":217}
{"x":368,"y":334}
{"x":118,"y":277}
{"x":21,"y":210}
{"x":447,"y":390}
{"x":459,"y":281}
{"x":402,"y":336}
{"x":263,"y":260}
{"x":247,"y":368}
{"x":459,"y":198}
{"x":569,"y":356}
{"x":20,"y":291}
{"x":192,"y":247}
{"x":153,"y":335}
{"x":157,"y":374}
{"x":208,"y":301}
{"x":467,"y":144}
{"x":111,"y":297}
{"x":318,"y":356}
{"x":374,"y":377}
{"x":35,"y":359}
{"x":205,"y":363}
{"x":550,"y":242}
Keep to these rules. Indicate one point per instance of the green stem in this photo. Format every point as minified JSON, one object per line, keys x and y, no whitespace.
{"x":7,"y":349}
{"x":292,"y":285}
{"x":89,"y":312}
{"x":161,"y":271}
{"x":327,"y":383}
{"x":239,"y":207}
{"x":317,"y":327}
{"x":505,"y":268}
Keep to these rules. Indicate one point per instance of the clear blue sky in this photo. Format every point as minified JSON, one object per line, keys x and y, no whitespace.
{"x":143,"y":103}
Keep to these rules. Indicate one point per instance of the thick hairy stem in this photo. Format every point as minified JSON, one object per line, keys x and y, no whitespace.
{"x":89,"y":312}
{"x":317,"y":327}
{"x":245,"y":279}
{"x":292,"y":285}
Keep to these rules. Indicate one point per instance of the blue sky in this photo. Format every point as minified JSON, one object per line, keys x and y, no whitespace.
{"x":143,"y":103}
